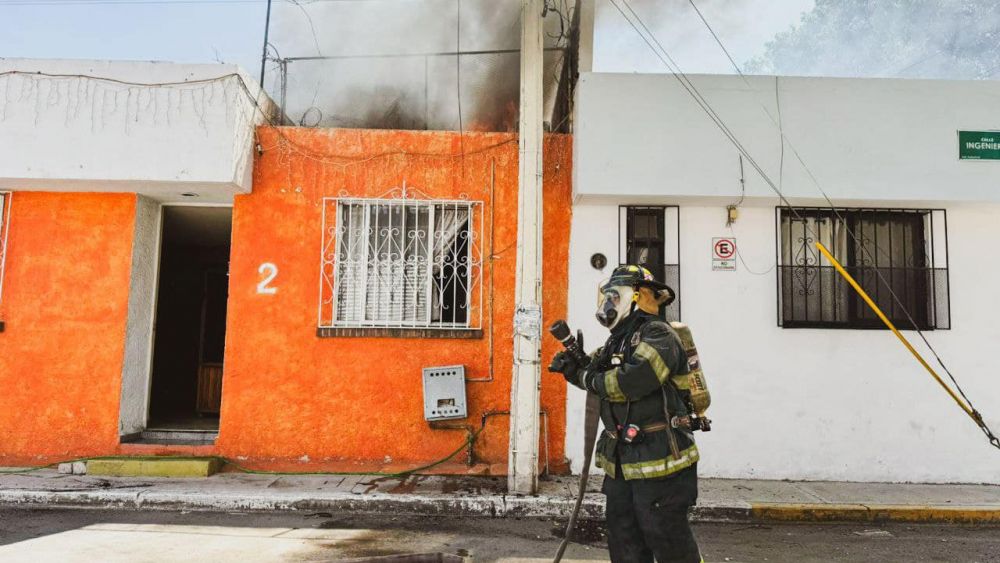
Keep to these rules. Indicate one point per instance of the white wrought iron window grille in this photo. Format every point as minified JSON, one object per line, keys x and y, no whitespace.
{"x":5,"y":203}
{"x":401,"y":262}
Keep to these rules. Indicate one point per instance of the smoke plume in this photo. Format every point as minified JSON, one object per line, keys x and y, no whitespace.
{"x":384,"y":63}
{"x":946,"y":39}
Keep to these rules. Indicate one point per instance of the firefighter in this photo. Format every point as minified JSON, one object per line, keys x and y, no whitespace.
{"x":651,"y":467}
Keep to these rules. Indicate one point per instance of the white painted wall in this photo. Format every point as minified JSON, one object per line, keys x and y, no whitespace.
{"x":815,"y":404}
{"x":138,"y":363}
{"x":864,"y":139}
{"x":70,"y":125}
{"x":801,"y":403}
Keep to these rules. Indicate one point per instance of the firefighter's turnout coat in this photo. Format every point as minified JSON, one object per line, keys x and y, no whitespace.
{"x":641,"y":369}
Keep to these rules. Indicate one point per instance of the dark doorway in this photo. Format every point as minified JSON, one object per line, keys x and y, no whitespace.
{"x":190,"y":334}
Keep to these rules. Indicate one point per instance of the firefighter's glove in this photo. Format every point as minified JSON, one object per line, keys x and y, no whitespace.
{"x":563,"y":363}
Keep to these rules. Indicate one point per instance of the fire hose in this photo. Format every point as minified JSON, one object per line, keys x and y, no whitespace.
{"x":964,"y":404}
{"x":591,"y":417}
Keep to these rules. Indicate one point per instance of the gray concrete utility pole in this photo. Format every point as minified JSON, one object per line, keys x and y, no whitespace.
{"x":585,"y":41}
{"x":522,"y":472}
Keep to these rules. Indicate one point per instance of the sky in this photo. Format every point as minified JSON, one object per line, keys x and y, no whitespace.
{"x":744,"y":26}
{"x":232,"y":30}
{"x":179,"y":30}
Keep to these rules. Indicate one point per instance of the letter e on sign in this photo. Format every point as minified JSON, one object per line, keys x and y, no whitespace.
{"x":269,"y":271}
{"x":724,"y":254}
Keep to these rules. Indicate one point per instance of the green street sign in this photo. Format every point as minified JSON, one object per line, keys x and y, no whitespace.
{"x":979,"y":145}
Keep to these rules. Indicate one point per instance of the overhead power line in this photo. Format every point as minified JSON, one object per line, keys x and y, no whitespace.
{"x":826,"y":197}
{"x":717,"y":40}
{"x":661,"y":53}
{"x":169,"y":2}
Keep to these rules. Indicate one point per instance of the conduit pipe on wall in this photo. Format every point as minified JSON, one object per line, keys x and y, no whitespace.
{"x":7,"y":204}
{"x":470,"y":459}
{"x":493,"y":257}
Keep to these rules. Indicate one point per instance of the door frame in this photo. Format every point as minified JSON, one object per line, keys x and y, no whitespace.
{"x":145,"y":371}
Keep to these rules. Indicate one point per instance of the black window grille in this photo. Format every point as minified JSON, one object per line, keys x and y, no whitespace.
{"x":651,"y":238}
{"x":888,"y":251}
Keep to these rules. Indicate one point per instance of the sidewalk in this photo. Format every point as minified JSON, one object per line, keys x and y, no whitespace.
{"x":719,"y":500}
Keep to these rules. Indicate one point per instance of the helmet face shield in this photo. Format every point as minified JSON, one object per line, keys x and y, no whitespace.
{"x":614,"y":303}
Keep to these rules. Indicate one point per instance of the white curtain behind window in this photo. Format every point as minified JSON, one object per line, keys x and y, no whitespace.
{"x":816,"y":292}
{"x":351,"y":267}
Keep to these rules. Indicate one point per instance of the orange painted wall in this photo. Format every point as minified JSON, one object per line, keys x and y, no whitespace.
{"x":295,"y":400}
{"x":65,"y":302}
{"x":291,"y":400}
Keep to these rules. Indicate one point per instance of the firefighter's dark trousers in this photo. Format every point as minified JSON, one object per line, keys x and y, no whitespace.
{"x":649,"y":518}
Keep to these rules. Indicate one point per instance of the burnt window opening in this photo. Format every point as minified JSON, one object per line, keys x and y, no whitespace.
{"x":650,"y":237}
{"x":901,"y":252}
{"x":451,"y":274}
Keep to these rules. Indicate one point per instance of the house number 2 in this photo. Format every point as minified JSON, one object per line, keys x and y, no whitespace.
{"x":269,"y":271}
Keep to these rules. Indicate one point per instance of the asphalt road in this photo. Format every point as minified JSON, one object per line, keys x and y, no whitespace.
{"x":39,"y":535}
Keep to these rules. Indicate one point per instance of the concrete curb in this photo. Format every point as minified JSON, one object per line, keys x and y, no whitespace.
{"x":489,"y":506}
{"x":853,"y":512}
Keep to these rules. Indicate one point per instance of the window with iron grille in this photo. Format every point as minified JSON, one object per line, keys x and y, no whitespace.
{"x":898,"y":256}
{"x":401,"y":263}
{"x":650,"y":237}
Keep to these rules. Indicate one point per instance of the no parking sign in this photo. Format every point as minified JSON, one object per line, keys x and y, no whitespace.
{"x":724,"y":254}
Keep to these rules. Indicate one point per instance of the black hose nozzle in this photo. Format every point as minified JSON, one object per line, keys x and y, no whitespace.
{"x":560,"y":330}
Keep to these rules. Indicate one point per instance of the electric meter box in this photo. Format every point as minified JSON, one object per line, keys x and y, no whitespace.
{"x":444,"y":393}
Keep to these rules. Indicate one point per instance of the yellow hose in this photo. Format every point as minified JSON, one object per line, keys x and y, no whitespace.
{"x":888,"y":323}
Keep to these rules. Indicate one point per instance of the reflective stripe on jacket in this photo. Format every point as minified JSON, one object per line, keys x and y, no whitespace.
{"x":653,"y":368}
